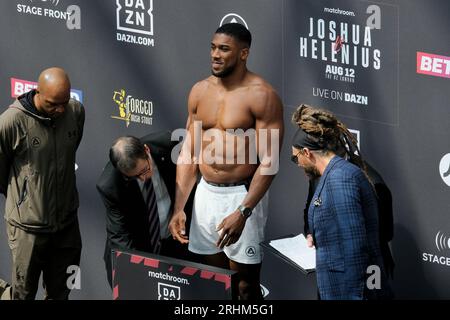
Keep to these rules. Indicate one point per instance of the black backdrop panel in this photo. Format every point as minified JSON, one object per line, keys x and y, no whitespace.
{"x":147,"y":60}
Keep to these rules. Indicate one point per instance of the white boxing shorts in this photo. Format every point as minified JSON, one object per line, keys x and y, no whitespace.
{"x":211,"y":205}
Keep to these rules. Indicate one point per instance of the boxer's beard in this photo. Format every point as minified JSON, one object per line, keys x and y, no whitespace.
{"x":225,"y":72}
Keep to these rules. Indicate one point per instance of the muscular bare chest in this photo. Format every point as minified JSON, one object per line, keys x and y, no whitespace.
{"x":225,"y":110}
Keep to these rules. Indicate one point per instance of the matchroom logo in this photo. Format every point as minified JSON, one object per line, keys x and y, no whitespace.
{"x":131,"y":109}
{"x":433,"y":65}
{"x":19,"y":87}
{"x":135,"y":22}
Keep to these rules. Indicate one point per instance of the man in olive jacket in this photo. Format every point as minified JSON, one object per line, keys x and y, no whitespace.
{"x":39,"y":135}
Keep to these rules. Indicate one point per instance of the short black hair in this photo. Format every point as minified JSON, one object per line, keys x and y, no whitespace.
{"x":125,"y":152}
{"x":237,"y":31}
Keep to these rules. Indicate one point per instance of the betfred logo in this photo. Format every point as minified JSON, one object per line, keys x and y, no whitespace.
{"x":19,"y":87}
{"x":433,"y":65}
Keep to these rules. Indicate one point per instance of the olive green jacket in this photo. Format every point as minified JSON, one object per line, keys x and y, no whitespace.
{"x":37,"y":167}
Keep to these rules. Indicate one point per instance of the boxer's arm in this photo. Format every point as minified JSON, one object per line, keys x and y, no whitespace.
{"x":268,"y":112}
{"x":187,"y":170}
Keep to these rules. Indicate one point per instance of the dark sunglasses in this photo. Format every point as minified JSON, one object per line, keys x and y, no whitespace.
{"x":294,"y":158}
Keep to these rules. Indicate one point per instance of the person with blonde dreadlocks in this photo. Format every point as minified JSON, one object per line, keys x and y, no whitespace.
{"x":343,"y":214}
{"x":348,"y":149}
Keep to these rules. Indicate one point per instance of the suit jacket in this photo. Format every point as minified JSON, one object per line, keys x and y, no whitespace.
{"x":343,"y":219}
{"x":385,"y":214}
{"x":127,"y":222}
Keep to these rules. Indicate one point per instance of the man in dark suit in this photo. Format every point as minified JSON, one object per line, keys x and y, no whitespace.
{"x":137,"y":187}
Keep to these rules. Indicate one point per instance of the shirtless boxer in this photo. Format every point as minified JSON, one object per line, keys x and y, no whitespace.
{"x":231,"y":205}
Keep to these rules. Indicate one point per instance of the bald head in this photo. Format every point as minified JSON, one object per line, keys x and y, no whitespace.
{"x":54,"y":79}
{"x":53,"y":92}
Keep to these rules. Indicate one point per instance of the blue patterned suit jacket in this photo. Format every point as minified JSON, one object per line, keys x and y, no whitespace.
{"x":344,"y":222}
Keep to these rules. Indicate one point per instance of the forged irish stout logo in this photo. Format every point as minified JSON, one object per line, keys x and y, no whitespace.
{"x":132,"y":109}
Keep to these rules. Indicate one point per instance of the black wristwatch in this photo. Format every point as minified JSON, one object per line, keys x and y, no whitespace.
{"x":246,"y":212}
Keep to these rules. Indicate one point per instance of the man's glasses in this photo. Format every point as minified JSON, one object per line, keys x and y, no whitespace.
{"x":294,"y":158}
{"x":144,"y":172}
